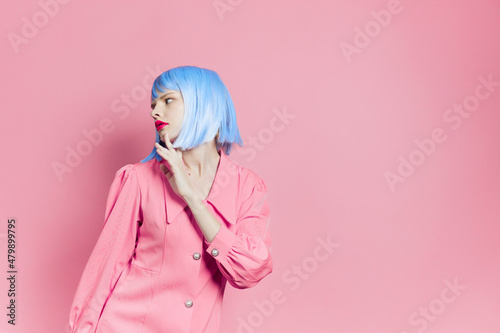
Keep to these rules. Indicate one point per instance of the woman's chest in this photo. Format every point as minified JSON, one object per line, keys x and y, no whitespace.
{"x":160,"y":243}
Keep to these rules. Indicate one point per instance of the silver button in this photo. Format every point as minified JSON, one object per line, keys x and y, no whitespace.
{"x":196,"y":255}
{"x":215,"y":252}
{"x":189,"y":303}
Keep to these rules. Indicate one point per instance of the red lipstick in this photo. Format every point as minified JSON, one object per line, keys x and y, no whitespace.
{"x":160,"y":124}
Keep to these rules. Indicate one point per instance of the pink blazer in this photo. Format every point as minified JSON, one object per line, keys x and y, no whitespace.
{"x":152,"y":270}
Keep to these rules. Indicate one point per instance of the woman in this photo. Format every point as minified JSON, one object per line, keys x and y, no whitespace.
{"x":180,"y":223}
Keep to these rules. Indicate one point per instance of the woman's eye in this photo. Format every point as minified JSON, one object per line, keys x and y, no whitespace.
{"x":166,"y":99}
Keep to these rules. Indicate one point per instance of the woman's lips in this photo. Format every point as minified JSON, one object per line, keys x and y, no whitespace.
{"x":160,"y":124}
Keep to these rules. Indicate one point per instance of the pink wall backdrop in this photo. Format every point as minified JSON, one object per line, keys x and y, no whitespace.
{"x":374,"y":123}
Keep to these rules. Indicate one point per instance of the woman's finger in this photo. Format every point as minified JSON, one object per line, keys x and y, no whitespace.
{"x":168,"y":143}
{"x":165,"y":170}
{"x":164,"y":153}
{"x":173,"y":150}
{"x":161,"y":150}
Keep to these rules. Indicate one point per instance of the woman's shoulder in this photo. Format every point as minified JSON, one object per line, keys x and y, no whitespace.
{"x":250,"y":181}
{"x":139,"y":170}
{"x":142,"y":167}
{"x":252,"y":191}
{"x":249,"y":176}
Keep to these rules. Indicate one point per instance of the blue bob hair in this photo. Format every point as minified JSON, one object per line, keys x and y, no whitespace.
{"x":208,"y":109}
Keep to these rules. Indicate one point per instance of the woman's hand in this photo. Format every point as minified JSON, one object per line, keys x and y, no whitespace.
{"x":173,"y":168}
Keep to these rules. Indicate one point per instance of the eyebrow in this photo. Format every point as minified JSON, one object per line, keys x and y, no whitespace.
{"x":161,"y":96}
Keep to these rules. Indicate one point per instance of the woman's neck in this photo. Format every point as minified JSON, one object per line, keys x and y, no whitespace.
{"x":202,"y":160}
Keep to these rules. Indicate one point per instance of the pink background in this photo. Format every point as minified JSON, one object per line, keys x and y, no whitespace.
{"x":352,"y":119}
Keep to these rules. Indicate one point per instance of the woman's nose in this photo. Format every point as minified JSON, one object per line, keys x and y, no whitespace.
{"x":155,"y":113}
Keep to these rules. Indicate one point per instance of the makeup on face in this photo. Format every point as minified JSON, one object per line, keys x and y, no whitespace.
{"x":160,"y":124}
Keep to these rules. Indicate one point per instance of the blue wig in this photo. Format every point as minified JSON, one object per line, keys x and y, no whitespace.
{"x":208,"y":109}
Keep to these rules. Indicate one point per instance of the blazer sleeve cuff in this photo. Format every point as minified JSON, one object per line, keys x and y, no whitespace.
{"x":221,"y":244}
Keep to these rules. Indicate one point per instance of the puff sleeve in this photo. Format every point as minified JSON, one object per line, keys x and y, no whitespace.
{"x":244,"y":256}
{"x":114,"y":248}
